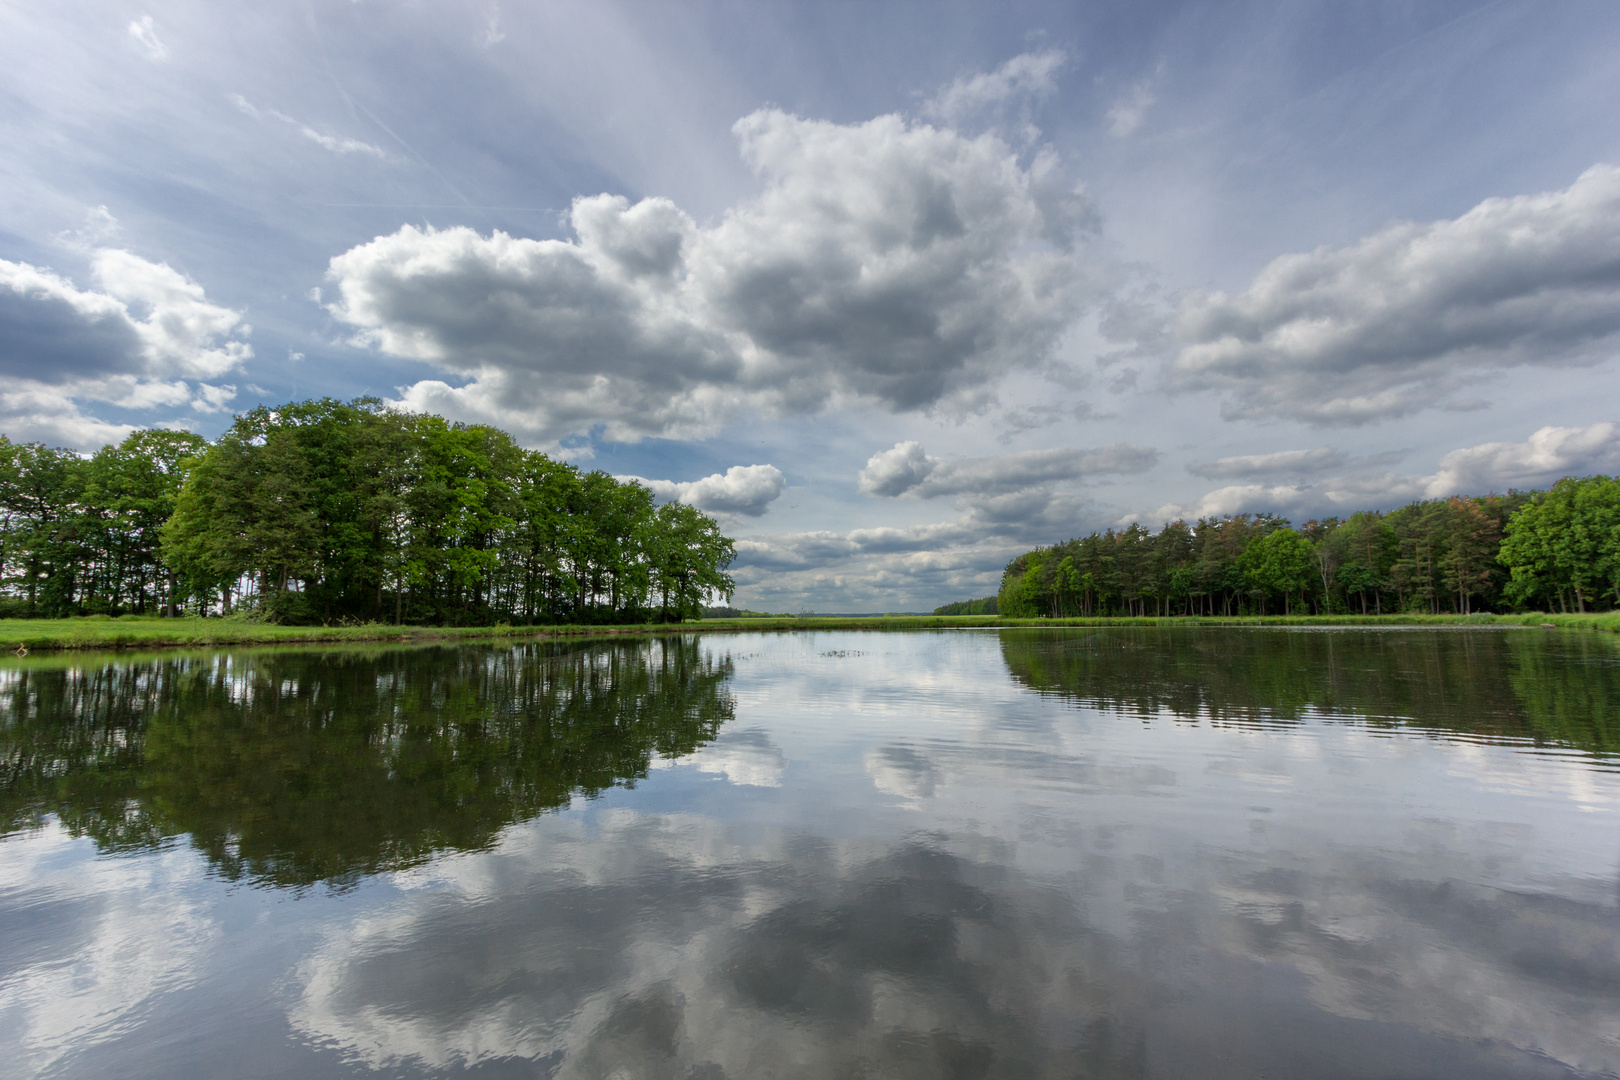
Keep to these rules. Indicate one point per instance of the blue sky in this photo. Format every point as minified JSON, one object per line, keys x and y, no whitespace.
{"x":895,"y":290}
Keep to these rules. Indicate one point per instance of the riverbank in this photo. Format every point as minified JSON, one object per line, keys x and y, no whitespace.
{"x":143,"y":633}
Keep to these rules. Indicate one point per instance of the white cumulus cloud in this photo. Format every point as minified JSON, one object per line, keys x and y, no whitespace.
{"x":889,"y":261}
{"x":1403,"y":319}
{"x":741,"y":489}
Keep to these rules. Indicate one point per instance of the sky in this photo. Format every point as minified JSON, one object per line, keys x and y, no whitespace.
{"x":894,"y":291}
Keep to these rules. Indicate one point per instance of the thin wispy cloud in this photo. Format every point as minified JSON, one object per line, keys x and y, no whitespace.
{"x":336,"y":143}
{"x":143,"y":32}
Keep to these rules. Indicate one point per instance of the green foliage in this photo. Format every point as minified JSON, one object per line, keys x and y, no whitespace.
{"x":986,"y":606}
{"x":81,"y":536}
{"x":340,"y":512}
{"x":1559,"y":548}
{"x":1564,"y":547}
{"x":1282,"y":564}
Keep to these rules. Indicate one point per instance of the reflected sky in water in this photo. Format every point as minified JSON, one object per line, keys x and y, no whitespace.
{"x":960,"y":854}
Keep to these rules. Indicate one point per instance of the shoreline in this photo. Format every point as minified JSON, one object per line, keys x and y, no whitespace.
{"x":133,"y":632}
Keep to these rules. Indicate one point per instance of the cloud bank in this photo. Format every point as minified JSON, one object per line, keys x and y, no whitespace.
{"x":888,"y":262}
{"x":1005,"y":503}
{"x":1541,"y":460}
{"x":1407,"y":317}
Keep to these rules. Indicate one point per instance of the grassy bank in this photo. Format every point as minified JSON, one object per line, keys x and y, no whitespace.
{"x":143,"y":633}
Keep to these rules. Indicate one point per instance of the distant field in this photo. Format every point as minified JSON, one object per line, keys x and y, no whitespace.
{"x":135,"y":633}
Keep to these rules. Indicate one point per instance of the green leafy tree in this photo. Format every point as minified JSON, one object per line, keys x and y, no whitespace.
{"x":1565,"y":545}
{"x":1282,"y":562}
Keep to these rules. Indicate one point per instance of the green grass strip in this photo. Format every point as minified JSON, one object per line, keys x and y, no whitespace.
{"x":146,"y":633}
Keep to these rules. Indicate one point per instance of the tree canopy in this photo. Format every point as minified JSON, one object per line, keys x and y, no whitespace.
{"x":324,"y":511}
{"x":1556,"y":549}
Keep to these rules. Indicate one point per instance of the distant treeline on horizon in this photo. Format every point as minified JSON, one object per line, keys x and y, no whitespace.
{"x":1552,"y":550}
{"x":328,"y":511}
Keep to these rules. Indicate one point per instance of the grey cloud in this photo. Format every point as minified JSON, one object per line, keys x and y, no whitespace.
{"x":1405,"y":318}
{"x":1032,"y":417}
{"x":798,"y":551}
{"x":1548,"y":455}
{"x":1289,"y":462}
{"x":51,"y":339}
{"x":1282,"y":463}
{"x":906,"y":469}
{"x":147,"y":319}
{"x":885,"y":261}
{"x":741,"y":489}
{"x":134,"y":340}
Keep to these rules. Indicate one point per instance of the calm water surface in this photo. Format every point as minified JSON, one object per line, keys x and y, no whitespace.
{"x":1126,"y":853}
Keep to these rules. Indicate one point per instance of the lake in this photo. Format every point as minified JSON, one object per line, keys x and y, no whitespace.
{"x":1022,"y":853}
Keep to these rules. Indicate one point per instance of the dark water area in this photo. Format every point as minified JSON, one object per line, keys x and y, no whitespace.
{"x":1023,"y":853}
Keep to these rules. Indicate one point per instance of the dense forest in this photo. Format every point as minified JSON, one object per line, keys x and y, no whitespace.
{"x":326,"y":511}
{"x":986,"y":606}
{"x":1554,"y":550}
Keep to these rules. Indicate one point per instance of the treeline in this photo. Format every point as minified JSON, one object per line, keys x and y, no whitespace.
{"x":326,"y":511}
{"x":1538,"y":550}
{"x":986,"y":606}
{"x":83,"y":535}
{"x":726,"y":612}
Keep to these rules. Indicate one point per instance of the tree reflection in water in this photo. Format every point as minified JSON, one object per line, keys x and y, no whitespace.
{"x":1551,"y":689}
{"x":292,"y":768}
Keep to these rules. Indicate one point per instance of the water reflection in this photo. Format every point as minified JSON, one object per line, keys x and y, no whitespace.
{"x":294,"y":768}
{"x":669,"y":950}
{"x":1557,"y":689}
{"x":904,"y":855}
